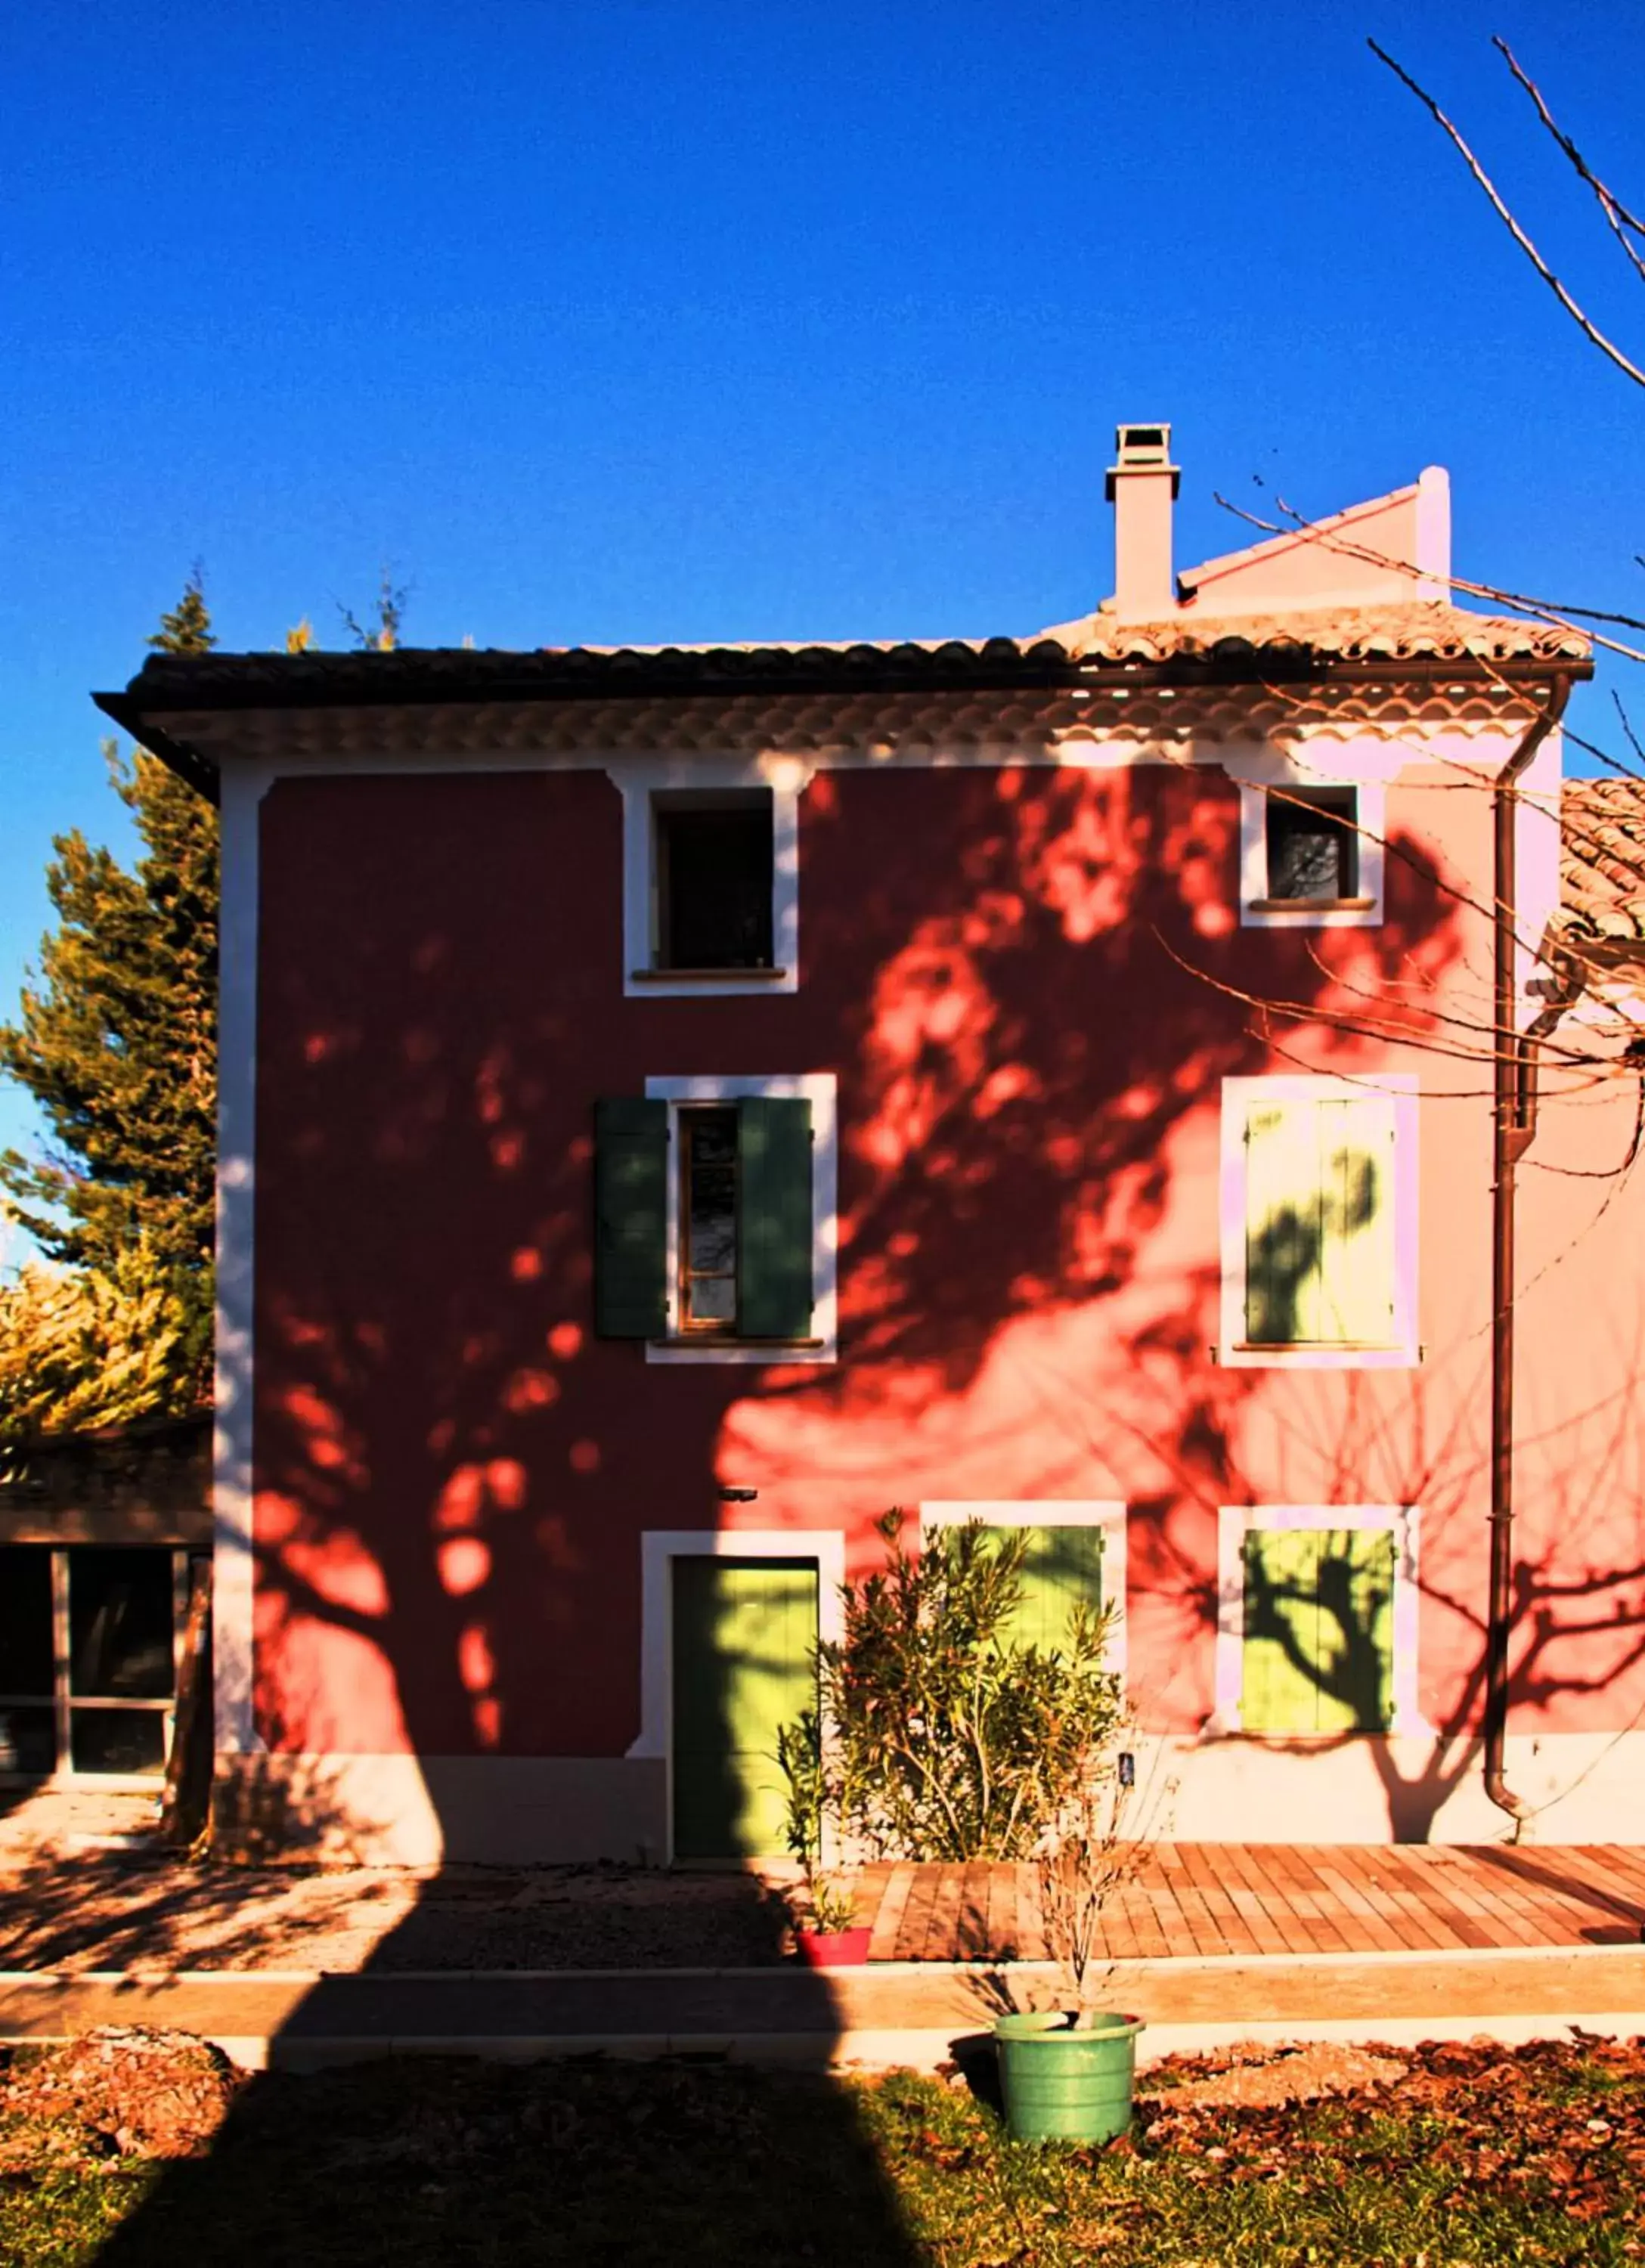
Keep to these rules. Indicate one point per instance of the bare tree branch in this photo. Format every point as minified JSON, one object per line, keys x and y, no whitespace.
{"x":1617,"y":216}
{"x":1590,"y":330}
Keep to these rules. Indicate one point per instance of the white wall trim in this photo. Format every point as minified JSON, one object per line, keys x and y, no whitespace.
{"x":660,"y":1547}
{"x":234,"y":1558}
{"x":1107,"y":1513}
{"x":639,"y":779}
{"x":1370,"y":832}
{"x":1235,"y":1521}
{"x":821,"y":1090}
{"x":1402,"y":1088}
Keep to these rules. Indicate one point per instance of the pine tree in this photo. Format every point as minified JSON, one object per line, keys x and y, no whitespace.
{"x":117,"y":1043}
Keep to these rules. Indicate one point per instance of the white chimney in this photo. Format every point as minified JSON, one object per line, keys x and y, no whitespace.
{"x":1142,"y":485}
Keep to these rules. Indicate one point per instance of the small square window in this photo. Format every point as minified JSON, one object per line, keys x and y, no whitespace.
{"x":713,"y":879}
{"x":1313,"y":844}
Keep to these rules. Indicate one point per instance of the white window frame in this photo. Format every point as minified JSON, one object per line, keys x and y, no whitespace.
{"x":821,"y":1090}
{"x":1405,"y":1352}
{"x":63,"y":1702}
{"x":640,"y":780}
{"x":1234,"y":1522}
{"x":660,"y":1547}
{"x":1107,"y":1514}
{"x":1370,"y":826}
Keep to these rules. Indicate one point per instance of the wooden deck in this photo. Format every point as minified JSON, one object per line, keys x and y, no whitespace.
{"x":1249,"y":1898}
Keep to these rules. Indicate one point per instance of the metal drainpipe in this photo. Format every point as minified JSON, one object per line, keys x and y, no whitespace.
{"x":1513,"y":1125}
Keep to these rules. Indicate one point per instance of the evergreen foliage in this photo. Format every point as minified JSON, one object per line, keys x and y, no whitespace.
{"x":116,"y":1042}
{"x":947,"y":1737}
{"x":83,"y":1349}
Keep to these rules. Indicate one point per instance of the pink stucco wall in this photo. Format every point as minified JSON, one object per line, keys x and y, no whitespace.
{"x":1029,"y":983}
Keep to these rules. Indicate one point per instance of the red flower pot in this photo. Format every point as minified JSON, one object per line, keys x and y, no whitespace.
{"x":832,"y":1948}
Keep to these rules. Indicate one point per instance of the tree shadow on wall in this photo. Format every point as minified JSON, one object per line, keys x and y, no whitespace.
{"x":453,"y":1478}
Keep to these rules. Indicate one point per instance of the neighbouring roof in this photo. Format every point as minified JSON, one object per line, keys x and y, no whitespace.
{"x":1602,"y":866}
{"x":1415,"y":629}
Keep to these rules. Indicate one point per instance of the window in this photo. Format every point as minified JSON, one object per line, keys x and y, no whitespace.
{"x":713,"y":865}
{"x":715,"y":1219}
{"x":1313,"y":848}
{"x":1318,"y":1620}
{"x":1076,"y":1552}
{"x":1311,"y":853}
{"x":87,"y":1658}
{"x":710,"y":874}
{"x":1318,"y":1221}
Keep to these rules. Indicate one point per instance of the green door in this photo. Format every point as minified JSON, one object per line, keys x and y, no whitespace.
{"x":743,"y":1632}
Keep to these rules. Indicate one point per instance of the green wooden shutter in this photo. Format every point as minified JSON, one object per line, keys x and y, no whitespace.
{"x":1356,"y":1173}
{"x":1356,"y":1596}
{"x":1282,"y":1224}
{"x":774,"y":1222}
{"x":1319,"y":1222}
{"x":1063,"y":1568}
{"x":1318,"y":1651}
{"x":631,"y":1218}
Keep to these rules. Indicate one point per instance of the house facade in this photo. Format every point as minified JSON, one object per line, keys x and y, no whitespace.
{"x":678,"y":1105}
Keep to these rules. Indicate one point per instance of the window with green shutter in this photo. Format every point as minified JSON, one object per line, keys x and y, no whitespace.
{"x":1320,"y":1265}
{"x":744,"y":1220}
{"x":1318,"y":1637}
{"x":1062,"y":1570}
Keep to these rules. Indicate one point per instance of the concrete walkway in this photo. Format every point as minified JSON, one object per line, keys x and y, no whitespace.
{"x":879,"y":2015}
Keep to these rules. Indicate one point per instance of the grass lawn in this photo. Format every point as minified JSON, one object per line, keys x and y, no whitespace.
{"x":1471,"y":2155}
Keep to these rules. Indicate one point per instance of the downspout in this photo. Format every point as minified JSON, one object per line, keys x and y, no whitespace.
{"x":1515,"y":1125}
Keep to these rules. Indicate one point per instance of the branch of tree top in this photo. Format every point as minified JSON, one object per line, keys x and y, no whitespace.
{"x":1585,"y":323}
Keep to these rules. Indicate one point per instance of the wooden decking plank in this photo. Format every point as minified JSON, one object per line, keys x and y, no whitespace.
{"x":1199,"y":1859}
{"x":1171,"y":1895}
{"x":1030,"y":1931}
{"x":1375,"y":1924}
{"x":942,"y":1936}
{"x":1197,"y":1908}
{"x":1401,"y":1899}
{"x":1435,"y":1904}
{"x":1263,"y":1934}
{"x":970,"y":1927}
{"x":888,"y":1918}
{"x":1340,"y":1903}
{"x":917,"y":1911}
{"x":1282,"y":1917}
{"x":1602,"y":1901}
{"x":1302,"y":1898}
{"x":1512,"y":1919}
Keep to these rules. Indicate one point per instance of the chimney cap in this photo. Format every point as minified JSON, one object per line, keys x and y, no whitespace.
{"x":1140,"y":449}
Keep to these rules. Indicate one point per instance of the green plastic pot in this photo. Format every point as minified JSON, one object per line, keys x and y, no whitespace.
{"x":1067,"y":2079}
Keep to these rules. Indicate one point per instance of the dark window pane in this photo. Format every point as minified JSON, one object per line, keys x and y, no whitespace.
{"x":120,"y":1624}
{"x":25,"y":1648}
{"x":715,"y":869}
{"x":117,"y":1739}
{"x":710,"y":1258}
{"x":28,"y":1742}
{"x":1311,"y":844}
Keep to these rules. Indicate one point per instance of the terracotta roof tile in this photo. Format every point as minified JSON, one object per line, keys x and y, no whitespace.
{"x":1602,"y":864}
{"x":1415,"y":631}
{"x":1410,"y":632}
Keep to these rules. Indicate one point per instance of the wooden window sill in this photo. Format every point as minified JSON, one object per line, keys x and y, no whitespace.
{"x":1313,"y":905}
{"x":704,"y":975}
{"x":710,"y":1339}
{"x":1318,"y":1346}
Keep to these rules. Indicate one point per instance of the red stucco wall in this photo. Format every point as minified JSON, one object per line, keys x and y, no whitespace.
{"x":1015,"y":975}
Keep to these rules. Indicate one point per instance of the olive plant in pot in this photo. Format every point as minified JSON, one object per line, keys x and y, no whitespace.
{"x":1068,"y":2073}
{"x":824,"y":1906}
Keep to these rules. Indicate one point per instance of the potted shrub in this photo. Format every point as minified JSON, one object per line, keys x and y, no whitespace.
{"x":1068,"y":2073}
{"x":824,"y":1907}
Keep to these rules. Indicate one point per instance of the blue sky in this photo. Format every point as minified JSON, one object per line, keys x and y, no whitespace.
{"x":641,"y":319}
